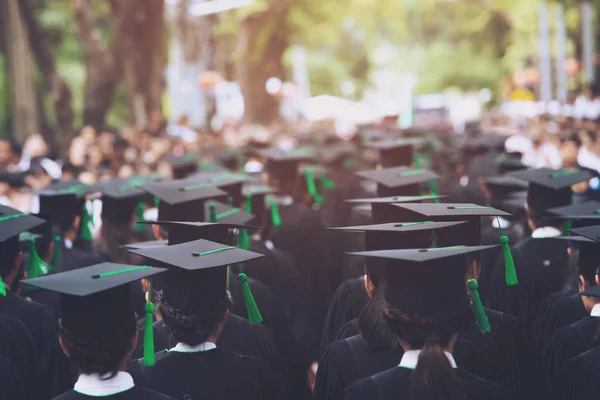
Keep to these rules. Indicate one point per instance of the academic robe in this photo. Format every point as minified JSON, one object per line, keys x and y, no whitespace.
{"x":348,"y":301}
{"x":541,"y":269}
{"x":558,"y":310}
{"x":213,"y":374}
{"x":567,"y":343}
{"x":135,"y":393}
{"x":394,"y":384}
{"x":505,"y":355}
{"x":579,"y":378}
{"x":55,"y":376}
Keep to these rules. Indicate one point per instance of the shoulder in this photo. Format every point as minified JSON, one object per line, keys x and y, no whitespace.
{"x":146,"y":394}
{"x":479,"y":388}
{"x":235,"y":322}
{"x":394,"y":382}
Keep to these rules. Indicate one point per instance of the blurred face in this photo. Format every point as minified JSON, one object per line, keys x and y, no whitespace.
{"x":568,"y":152}
{"x":95,"y":156}
{"x":88,"y":134}
{"x":6,"y":154}
{"x":35,"y":146}
{"x":77,"y":151}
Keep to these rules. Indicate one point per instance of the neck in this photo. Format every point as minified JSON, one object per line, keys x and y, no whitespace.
{"x":588,"y":303}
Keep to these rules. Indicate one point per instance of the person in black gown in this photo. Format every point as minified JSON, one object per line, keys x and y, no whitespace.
{"x":54,"y":369}
{"x":98,"y":328}
{"x":194,"y":304}
{"x":426,"y":312}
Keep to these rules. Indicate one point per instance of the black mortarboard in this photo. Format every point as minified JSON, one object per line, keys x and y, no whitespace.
{"x":427,"y":282}
{"x":407,"y":235}
{"x":581,"y":214}
{"x":181,"y":201}
{"x":502,"y":187}
{"x":226,"y":214}
{"x":549,"y":188}
{"x":13,"y":223}
{"x":400,"y":181}
{"x":396,"y":152}
{"x":283,"y":165}
{"x":63,"y":199}
{"x":121,"y":196}
{"x":229,"y":182}
{"x":382,"y":209}
{"x":96,"y":301}
{"x":183,"y":232}
{"x":145,"y":245}
{"x":508,"y":162}
{"x":255,"y":199}
{"x":589,"y":251}
{"x":183,"y":165}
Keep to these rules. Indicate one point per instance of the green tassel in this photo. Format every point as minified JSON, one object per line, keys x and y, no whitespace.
{"x":312,"y":187}
{"x":244,"y":240}
{"x":149,"y":360}
{"x":212,"y":213}
{"x":87,"y":222}
{"x":2,"y":287}
{"x":275,"y":216}
{"x":56,"y":252}
{"x":251,"y":308}
{"x":139,"y":214}
{"x":230,"y":200}
{"x":416,"y":161}
{"x":248,"y":204}
{"x":480,"y":317}
{"x":156,"y":201}
{"x":326,"y":183}
{"x":509,"y":264}
{"x":36,"y":266}
{"x":434,"y":189}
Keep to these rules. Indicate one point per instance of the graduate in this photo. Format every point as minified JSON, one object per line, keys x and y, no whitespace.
{"x":98,"y":328}
{"x":195,"y":304}
{"x":426,"y":313}
{"x":540,"y":262}
{"x":54,"y":370}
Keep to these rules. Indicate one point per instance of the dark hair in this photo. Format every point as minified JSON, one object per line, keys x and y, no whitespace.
{"x":9,"y":250}
{"x":194,"y":328}
{"x":101,"y":357}
{"x":541,"y":219}
{"x":112,"y":236}
{"x":371,"y":322}
{"x":433,"y":378}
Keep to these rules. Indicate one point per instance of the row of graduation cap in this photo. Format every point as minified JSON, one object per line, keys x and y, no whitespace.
{"x":188,"y":200}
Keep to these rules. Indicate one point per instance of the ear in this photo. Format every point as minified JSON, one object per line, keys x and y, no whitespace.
{"x":582,"y":283}
{"x":64,"y":348}
{"x":569,"y":251}
{"x":475,"y":269}
{"x":597,"y":279}
{"x":369,"y":286}
{"x":76,"y":222}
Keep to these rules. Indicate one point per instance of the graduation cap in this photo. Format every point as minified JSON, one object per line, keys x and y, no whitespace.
{"x":182,"y":232}
{"x":589,"y":251}
{"x":431,"y":282}
{"x":470,"y":233}
{"x":382,"y":209}
{"x":145,"y":245}
{"x":181,"y":201}
{"x":509,"y":162}
{"x":225,"y":214}
{"x":501,"y":187}
{"x":549,"y":188}
{"x":122,"y":197}
{"x":400,"y":181}
{"x":578,"y":215}
{"x":96,"y":303}
{"x":63,"y":199}
{"x":283,"y":165}
{"x":183,"y":165}
{"x":396,"y":152}
{"x":229,"y":182}
{"x":402,"y":235}
{"x":337,"y":154}
{"x":198,"y":272}
{"x":255,"y":196}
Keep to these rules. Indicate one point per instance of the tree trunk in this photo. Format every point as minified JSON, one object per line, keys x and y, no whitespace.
{"x":263,"y":40}
{"x":24,"y":111}
{"x":101,"y":70}
{"x":54,"y":84}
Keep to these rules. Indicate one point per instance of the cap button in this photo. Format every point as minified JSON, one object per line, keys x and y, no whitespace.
{"x":423,"y":251}
{"x":195,"y":254}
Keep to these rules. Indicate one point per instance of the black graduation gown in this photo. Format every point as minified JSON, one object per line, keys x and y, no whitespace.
{"x":505,"y":355}
{"x":348,"y":301}
{"x":213,"y":374}
{"x":135,"y":393}
{"x":394,"y":383}
{"x":12,"y":385}
{"x":579,"y":379}
{"x":55,"y":376}
{"x":558,"y":310}
{"x":567,"y":343}
{"x":541,"y":270}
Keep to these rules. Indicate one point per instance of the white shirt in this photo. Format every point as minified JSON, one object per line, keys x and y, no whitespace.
{"x":411,"y":357}
{"x":546,"y":232}
{"x":595,"y":311}
{"x":547,"y":155}
{"x":94,"y":385}
{"x":587,"y":159}
{"x":184,"y":348}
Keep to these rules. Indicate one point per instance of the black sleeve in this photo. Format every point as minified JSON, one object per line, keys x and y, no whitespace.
{"x":330,"y":382}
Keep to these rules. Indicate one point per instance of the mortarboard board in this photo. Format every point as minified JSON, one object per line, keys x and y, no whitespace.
{"x":120,"y":197}
{"x":145,"y":245}
{"x":96,"y":303}
{"x":226,"y":214}
{"x":181,"y":201}
{"x":589,"y":251}
{"x":501,"y":187}
{"x":197,"y":273}
{"x":431,"y":282}
{"x":13,"y":223}
{"x":255,"y":198}
{"x":63,"y":199}
{"x":183,"y":165}
{"x":229,"y":182}
{"x":283,"y":165}
{"x":578,"y":215}
{"x":382,"y":209}
{"x":183,"y":232}
{"x":399,"y":181}
{"x":396,"y":152}
{"x":549,"y":188}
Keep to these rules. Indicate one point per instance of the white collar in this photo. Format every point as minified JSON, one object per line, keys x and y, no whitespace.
{"x":68,"y":244}
{"x":93,"y":385}
{"x":595,"y":311}
{"x":282,"y":200}
{"x":184,"y":348}
{"x":500,"y":223}
{"x":546,"y":232}
{"x":411,"y":357}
